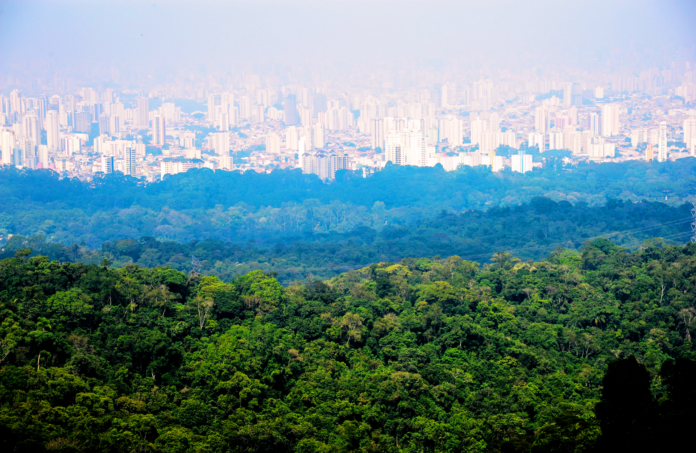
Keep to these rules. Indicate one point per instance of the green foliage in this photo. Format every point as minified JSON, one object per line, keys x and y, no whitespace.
{"x":530,"y":231}
{"x":421,"y":355}
{"x":286,"y":205}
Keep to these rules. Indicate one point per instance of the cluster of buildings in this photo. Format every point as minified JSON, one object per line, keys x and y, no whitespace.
{"x":261,"y":123}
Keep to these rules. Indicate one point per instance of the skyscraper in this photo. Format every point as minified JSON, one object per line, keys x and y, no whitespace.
{"x":302,"y":153}
{"x":43,"y":156}
{"x":576,"y":95}
{"x":567,"y":95}
{"x":158,"y":131}
{"x":292,"y":116}
{"x":83,"y":122}
{"x":662,"y":143}
{"x":649,"y":153}
{"x":521,"y":162}
{"x":444,"y":96}
{"x":291,"y":138}
{"x":610,"y":120}
{"x":478,"y":128}
{"x":213,"y":100}
{"x":377,"y":130}
{"x":221,"y":143}
{"x":450,"y":129}
{"x":129,"y":166}
{"x":541,"y":120}
{"x":104,"y":124}
{"x":107,"y":164}
{"x":272,"y":143}
{"x":406,"y":147}
{"x":52,"y":130}
{"x":593,"y":121}
{"x":143,"y":113}
{"x":319,"y":140}
{"x":7,"y":144}
{"x":31,"y":127}
{"x":245,"y":107}
{"x":690,"y":132}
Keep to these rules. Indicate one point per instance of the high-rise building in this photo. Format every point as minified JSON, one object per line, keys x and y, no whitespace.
{"x":187,"y":139}
{"x":450,"y":128}
{"x":302,"y":154}
{"x":107,"y":164}
{"x":42,"y":155}
{"x":52,"y":130}
{"x":83,"y":122}
{"x":292,"y":116}
{"x":662,"y":144}
{"x":444,"y":96}
{"x":521,"y":162}
{"x":213,"y":101}
{"x":377,"y":133}
{"x":541,"y":120}
{"x":31,"y":127}
{"x":323,"y":164}
{"x":593,"y":123}
{"x":556,"y":140}
{"x":610,"y":120}
{"x":406,"y":147}
{"x":318,"y":136}
{"x":71,"y":144}
{"x":478,"y":128}
{"x":143,"y":113}
{"x":306,"y":133}
{"x":245,"y":112}
{"x":649,"y":153}
{"x":104,"y":124}
{"x":272,"y":143}
{"x":291,"y":138}
{"x":690,"y":132}
{"x":159,"y":132}
{"x":575,"y":95}
{"x":226,"y":162}
{"x":567,"y":95}
{"x":221,"y":143}
{"x":536,"y":139}
{"x":26,"y":153}
{"x":638,"y":136}
{"x":130,"y":159}
{"x":319,"y":103}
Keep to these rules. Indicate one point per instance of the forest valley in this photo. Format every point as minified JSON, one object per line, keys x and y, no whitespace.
{"x":581,"y":351}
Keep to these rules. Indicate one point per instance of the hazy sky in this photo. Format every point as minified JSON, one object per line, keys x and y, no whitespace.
{"x":187,"y":33}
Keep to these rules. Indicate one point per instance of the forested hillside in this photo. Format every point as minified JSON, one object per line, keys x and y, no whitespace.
{"x":285,"y":204}
{"x":530,"y":231}
{"x":422,"y":355}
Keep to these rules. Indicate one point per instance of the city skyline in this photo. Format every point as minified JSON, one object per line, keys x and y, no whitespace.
{"x":455,"y":94}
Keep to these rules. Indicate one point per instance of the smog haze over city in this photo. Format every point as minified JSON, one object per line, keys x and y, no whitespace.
{"x":347,"y":226}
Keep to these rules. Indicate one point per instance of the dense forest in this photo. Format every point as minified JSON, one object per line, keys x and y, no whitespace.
{"x":530,"y":231}
{"x":277,"y":207}
{"x":578,"y":352}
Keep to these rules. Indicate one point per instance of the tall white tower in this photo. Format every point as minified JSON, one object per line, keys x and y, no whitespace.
{"x":594,"y":123}
{"x":541,"y":120}
{"x":662,"y":143}
{"x":143,"y":115}
{"x":690,"y":132}
{"x":52,"y":130}
{"x":7,"y":146}
{"x":610,"y":120}
{"x":158,"y":130}
{"x":130,"y":162}
{"x":301,"y":151}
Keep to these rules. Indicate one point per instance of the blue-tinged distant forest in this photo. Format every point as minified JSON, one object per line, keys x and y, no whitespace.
{"x":297,"y":226}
